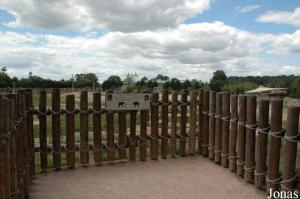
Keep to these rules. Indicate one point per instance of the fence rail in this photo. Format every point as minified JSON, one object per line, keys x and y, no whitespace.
{"x":226,"y":128}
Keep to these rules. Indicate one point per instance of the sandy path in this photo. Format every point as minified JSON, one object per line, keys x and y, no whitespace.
{"x":190,"y":177}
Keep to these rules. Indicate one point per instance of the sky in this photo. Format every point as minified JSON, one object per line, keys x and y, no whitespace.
{"x":179,"y":38}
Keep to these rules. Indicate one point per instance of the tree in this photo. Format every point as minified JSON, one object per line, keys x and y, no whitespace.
{"x":175,"y":84}
{"x":195,"y":84}
{"x":186,"y":84}
{"x":294,"y":88}
{"x":239,"y":88}
{"x":5,"y":80}
{"x":112,"y":82}
{"x":86,"y":79}
{"x":129,"y":82}
{"x":218,"y":80}
{"x":161,"y":77}
{"x":152,"y":83}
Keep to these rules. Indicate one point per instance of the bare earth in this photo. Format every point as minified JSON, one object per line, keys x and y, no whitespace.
{"x":190,"y":177}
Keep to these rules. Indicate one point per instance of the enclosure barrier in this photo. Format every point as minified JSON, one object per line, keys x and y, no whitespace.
{"x":220,"y":126}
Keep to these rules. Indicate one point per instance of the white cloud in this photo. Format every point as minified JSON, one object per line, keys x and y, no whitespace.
{"x":249,"y":8}
{"x":112,"y":15}
{"x":280,"y":17}
{"x":285,"y":43}
{"x":188,"y":51}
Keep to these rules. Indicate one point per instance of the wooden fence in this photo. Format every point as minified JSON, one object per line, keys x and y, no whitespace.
{"x":220,"y":126}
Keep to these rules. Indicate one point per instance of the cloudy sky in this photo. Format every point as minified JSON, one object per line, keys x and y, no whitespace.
{"x":178,"y":38}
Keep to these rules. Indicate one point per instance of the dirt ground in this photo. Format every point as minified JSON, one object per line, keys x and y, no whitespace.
{"x":184,"y":178}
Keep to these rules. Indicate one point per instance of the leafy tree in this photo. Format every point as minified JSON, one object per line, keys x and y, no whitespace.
{"x":239,"y":87}
{"x":5,"y":80}
{"x":152,"y":83}
{"x":186,"y":84}
{"x":86,"y":79}
{"x":218,"y":80}
{"x":295,"y":88}
{"x":129,"y":82}
{"x":175,"y":84}
{"x":161,"y":77}
{"x":112,"y":82}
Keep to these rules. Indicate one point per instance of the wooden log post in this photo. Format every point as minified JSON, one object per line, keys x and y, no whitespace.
{"x":132,"y":136}
{"x":13,"y":148}
{"x":19,"y":141}
{"x":3,"y":148}
{"x":290,"y":177}
{"x":225,"y":128}
{"x":183,"y":121}
{"x":200,"y":121}
{"x":84,"y":129}
{"x":205,"y":122}
{"x":164,"y":125}
{"x":174,"y":113}
{"x":29,"y":107}
{"x":70,"y":130}
{"x":56,"y":132}
{"x":5,"y":145}
{"x":233,"y":132}
{"x":273,"y":178}
{"x":212,"y":121}
{"x":122,"y":135}
{"x":110,"y":143}
{"x":25,"y":163}
{"x":143,"y":134}
{"x":241,"y":139}
{"x":97,"y":134}
{"x":43,"y":130}
{"x":262,"y":144}
{"x":154,"y":127}
{"x":193,"y":122}
{"x":218,"y":128}
{"x":250,"y":139}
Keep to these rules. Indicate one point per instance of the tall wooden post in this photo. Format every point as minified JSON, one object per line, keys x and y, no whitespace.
{"x":233,"y":132}
{"x":218,"y":128}
{"x":212,"y":109}
{"x":174,"y":112}
{"x":193,"y":122}
{"x":122,"y":135}
{"x":154,"y":126}
{"x":13,"y":147}
{"x":97,"y":131}
{"x":183,"y":121}
{"x":29,"y":107}
{"x":84,"y":134}
{"x":200,"y":121}
{"x":110,"y":142}
{"x":289,"y":181}
{"x":3,"y":148}
{"x":132,"y":136}
{"x":56,"y":133}
{"x":143,"y":134}
{"x":262,"y":144}
{"x":225,"y":128}
{"x":205,"y":122}
{"x":241,"y":135}
{"x":43,"y":130}
{"x":250,"y":139}
{"x":164,"y":128}
{"x":70,"y":130}
{"x":274,"y":177}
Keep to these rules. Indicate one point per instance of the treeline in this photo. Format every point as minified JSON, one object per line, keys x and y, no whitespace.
{"x":131,"y":83}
